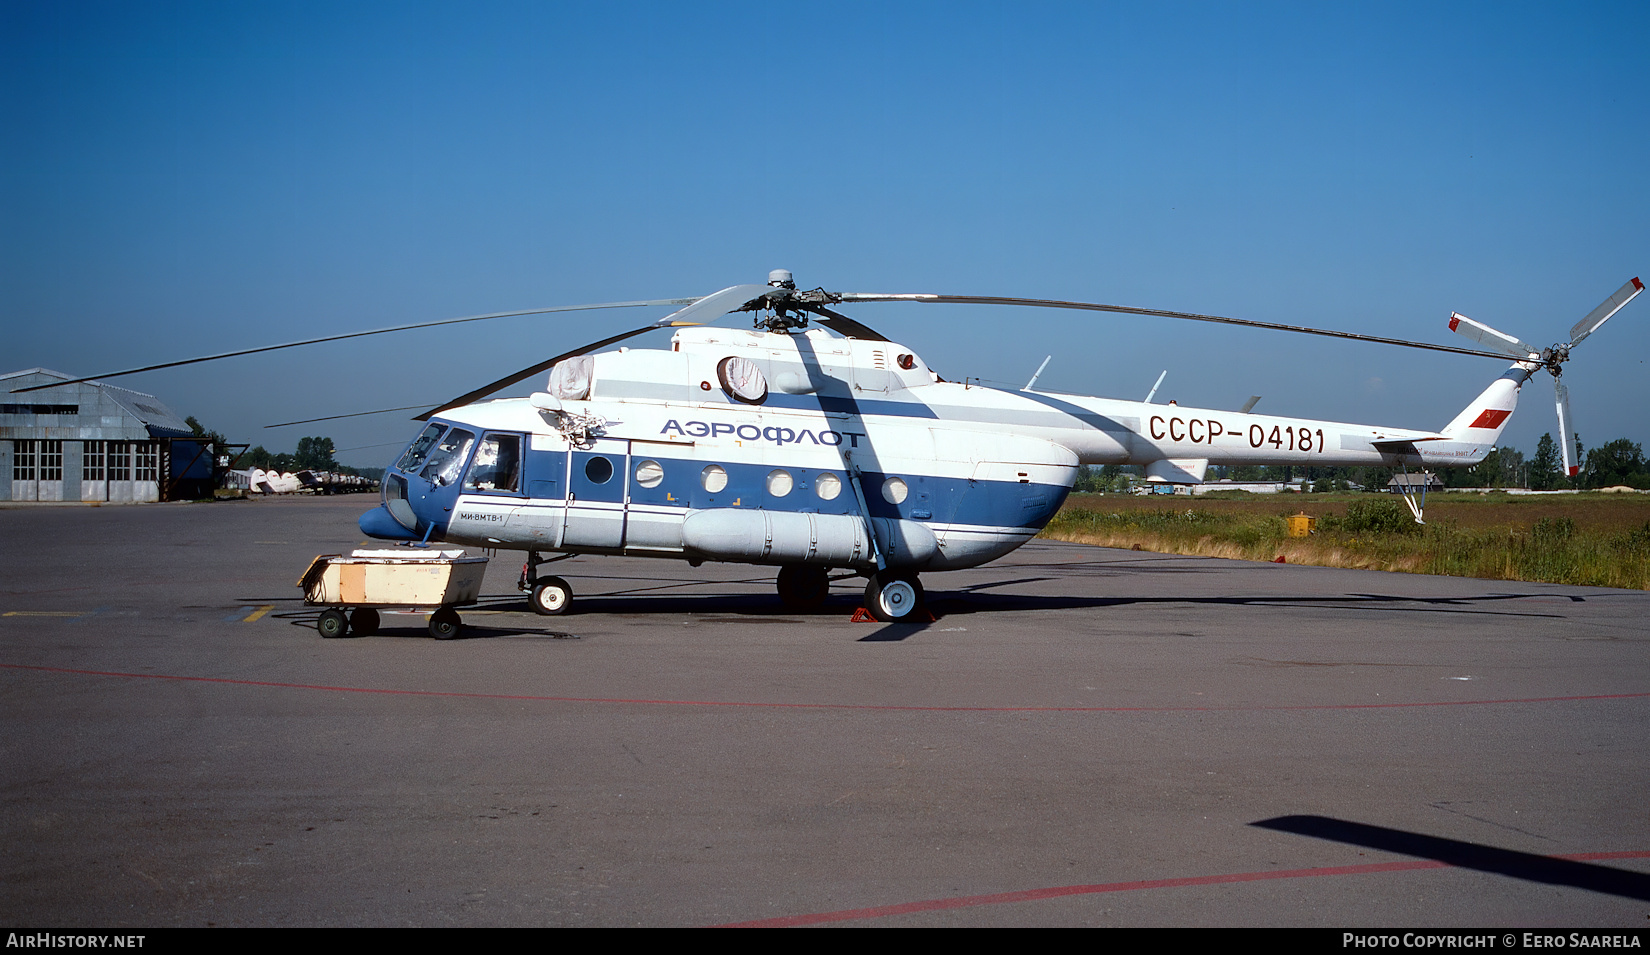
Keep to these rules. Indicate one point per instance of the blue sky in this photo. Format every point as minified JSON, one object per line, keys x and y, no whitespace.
{"x":180,"y":179}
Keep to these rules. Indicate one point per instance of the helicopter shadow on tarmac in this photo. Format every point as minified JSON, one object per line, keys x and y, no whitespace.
{"x":982,"y":598}
{"x":1468,"y":855}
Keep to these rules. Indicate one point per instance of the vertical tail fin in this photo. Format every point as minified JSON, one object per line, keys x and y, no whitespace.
{"x":1482,"y":420}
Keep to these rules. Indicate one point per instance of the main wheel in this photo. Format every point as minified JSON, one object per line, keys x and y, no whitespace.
{"x":444,"y":624}
{"x":803,"y":587}
{"x":551,"y":596}
{"x":332,"y":623}
{"x":364,"y":621}
{"x":894,"y":597}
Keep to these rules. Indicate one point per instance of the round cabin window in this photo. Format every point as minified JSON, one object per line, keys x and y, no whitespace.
{"x":894,"y":490}
{"x":599,"y":470}
{"x":714,"y":478}
{"x":827,"y":486}
{"x":779,"y":482}
{"x":649,"y":474}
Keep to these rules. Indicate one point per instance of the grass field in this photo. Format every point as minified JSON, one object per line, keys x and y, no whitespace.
{"x":1590,"y":539}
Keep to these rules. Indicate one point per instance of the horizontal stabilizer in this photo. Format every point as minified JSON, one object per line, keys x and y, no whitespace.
{"x":1177,"y":470}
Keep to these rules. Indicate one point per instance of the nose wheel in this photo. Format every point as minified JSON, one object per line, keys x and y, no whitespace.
{"x":893,"y":598}
{"x":551,"y":596}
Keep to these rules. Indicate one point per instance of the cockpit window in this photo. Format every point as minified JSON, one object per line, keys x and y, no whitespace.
{"x":497,"y":466}
{"x":448,"y":458}
{"x":415,"y":455}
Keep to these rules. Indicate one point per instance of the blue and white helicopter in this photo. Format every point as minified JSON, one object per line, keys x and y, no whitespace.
{"x":827,"y":448}
{"x":788,"y":445}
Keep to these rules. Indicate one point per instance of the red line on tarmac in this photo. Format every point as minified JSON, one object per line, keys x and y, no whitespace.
{"x":814,"y":706}
{"x":1034,"y":895}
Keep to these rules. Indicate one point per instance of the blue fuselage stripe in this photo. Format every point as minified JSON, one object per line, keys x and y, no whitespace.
{"x":930,"y":498}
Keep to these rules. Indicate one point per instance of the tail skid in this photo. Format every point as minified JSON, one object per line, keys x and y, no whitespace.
{"x":1465,"y":441}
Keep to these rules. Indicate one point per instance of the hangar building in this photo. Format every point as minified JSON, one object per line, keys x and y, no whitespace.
{"x":94,"y":442}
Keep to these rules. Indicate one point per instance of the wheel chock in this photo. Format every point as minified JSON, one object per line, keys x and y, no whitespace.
{"x":861,"y":615}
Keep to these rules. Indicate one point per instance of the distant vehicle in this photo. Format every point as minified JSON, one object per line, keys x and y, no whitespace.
{"x":289,"y":482}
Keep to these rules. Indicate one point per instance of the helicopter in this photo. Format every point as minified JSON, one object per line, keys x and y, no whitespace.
{"x":812,"y":443}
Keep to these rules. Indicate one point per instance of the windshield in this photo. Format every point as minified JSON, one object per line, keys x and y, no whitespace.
{"x":448,"y":458}
{"x":420,"y":448}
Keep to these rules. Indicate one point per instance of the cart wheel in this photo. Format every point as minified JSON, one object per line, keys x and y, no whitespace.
{"x":364,"y":621}
{"x":551,"y":596}
{"x":444,"y":624}
{"x":333,"y":623}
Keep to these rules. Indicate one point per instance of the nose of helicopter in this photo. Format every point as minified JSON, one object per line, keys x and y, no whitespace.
{"x":380,"y":523}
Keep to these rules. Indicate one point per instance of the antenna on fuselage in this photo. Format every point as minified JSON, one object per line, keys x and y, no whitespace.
{"x":1249,"y":405}
{"x":1037,"y":374}
{"x":1153,"y":392}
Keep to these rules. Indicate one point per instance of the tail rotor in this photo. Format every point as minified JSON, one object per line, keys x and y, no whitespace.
{"x":1552,"y":358}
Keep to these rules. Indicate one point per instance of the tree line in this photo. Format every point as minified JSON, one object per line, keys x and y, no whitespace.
{"x":312,"y":454}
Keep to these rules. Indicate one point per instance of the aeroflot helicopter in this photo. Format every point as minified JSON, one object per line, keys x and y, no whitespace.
{"x":832,"y":448}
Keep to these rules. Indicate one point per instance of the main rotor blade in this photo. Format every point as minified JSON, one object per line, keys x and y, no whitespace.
{"x":697,"y":312}
{"x":1158,"y":312}
{"x":377,"y":331}
{"x":537,"y":369}
{"x":1566,"y":440}
{"x":1608,"y":307}
{"x":715,"y":305}
{"x":338,"y":417}
{"x":1485,"y":335}
{"x":843,"y":325}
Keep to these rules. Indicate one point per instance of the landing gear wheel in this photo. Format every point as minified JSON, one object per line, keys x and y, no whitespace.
{"x":894,"y":599}
{"x":333,"y":623}
{"x":802,"y":587}
{"x":364,"y":621}
{"x":444,"y":624}
{"x":551,"y":596}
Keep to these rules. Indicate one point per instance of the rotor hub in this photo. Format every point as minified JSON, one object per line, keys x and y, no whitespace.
{"x":1553,"y":357}
{"x":789,"y":308}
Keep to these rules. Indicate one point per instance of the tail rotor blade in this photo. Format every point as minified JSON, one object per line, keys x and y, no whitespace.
{"x":1485,"y":335}
{"x":1600,"y":315}
{"x":1566,"y":438}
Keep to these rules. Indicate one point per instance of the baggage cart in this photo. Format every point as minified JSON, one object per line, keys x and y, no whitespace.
{"x":368,"y":581}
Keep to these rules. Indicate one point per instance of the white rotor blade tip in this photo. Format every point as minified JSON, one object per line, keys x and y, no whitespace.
{"x":1607,"y":308}
{"x":1485,"y":335}
{"x":1566,"y":443}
